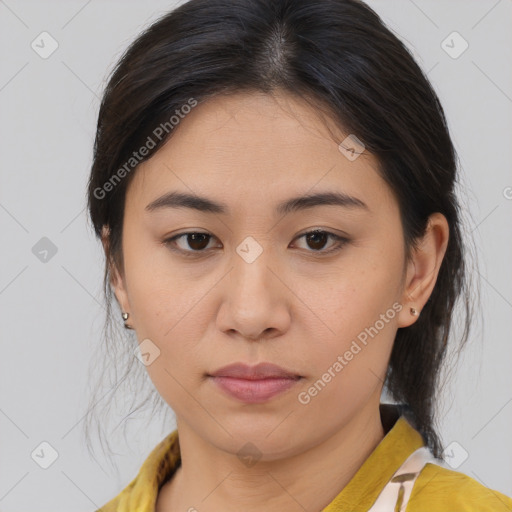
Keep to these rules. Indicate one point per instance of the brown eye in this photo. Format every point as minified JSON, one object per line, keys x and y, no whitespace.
{"x":197,"y":241}
{"x":191,"y":242}
{"x":318,"y":238}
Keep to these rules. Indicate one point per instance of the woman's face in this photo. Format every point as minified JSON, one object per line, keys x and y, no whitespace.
{"x":255,"y":289}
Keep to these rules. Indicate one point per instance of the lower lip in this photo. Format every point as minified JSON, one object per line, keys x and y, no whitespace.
{"x":254,"y":391}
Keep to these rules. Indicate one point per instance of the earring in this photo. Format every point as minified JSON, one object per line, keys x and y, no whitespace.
{"x":125,"y":317}
{"x":414,"y":312}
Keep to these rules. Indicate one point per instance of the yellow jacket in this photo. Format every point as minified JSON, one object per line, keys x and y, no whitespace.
{"x":437,"y":489}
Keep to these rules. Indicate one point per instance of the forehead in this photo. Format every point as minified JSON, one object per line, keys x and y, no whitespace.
{"x":256,"y":147}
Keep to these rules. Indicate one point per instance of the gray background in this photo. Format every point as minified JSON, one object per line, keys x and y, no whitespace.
{"x":52,"y":313}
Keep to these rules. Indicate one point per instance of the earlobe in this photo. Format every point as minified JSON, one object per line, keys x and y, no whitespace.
{"x":423,"y":268}
{"x":122,"y":298}
{"x":118,"y":286}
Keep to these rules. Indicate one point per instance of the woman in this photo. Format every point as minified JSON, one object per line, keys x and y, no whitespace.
{"x":273,"y":185}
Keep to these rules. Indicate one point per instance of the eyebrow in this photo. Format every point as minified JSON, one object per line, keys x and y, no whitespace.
{"x":206,"y":205}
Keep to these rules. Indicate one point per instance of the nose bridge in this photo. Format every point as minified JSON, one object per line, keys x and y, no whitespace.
{"x":251,"y":296}
{"x":251,"y":273}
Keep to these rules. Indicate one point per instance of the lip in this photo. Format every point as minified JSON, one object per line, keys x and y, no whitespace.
{"x":257,"y":372}
{"x":254,"y":384}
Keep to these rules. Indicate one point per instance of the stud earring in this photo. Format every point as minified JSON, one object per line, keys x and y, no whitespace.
{"x":125,"y":317}
{"x":414,"y":312}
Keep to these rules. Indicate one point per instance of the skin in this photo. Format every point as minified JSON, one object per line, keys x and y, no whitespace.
{"x":292,"y":306}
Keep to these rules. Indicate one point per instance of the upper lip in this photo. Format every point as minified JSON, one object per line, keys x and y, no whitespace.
{"x":259,"y":371}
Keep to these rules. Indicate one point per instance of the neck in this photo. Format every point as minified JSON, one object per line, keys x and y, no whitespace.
{"x":210,"y":479}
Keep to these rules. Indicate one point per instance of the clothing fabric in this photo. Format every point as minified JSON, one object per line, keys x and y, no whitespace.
{"x":397,"y":491}
{"x":436,"y":489}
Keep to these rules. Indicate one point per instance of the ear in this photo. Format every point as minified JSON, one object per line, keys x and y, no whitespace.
{"x":423,"y":269}
{"x":116,"y":280}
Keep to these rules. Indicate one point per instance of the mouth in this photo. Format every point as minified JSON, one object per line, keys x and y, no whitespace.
{"x":254,"y":384}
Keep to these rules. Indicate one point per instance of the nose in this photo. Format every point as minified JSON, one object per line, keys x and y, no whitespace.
{"x":255,"y":302}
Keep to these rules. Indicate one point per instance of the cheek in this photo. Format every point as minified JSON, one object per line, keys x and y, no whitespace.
{"x":169,"y":314}
{"x":353,"y":298}
{"x":359,"y":309}
{"x":168,"y":311}
{"x":162,"y":296}
{"x":348,"y":370}
{"x":173,"y":317}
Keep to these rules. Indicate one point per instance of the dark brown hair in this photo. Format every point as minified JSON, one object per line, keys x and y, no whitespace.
{"x":339,"y":56}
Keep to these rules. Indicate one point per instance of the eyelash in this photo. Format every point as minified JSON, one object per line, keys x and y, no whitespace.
{"x":341,"y":242}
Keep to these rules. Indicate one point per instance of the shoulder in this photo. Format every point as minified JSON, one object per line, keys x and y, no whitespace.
{"x":441,"y":489}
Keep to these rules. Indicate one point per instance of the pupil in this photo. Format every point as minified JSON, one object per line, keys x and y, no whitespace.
{"x":196,"y":237}
{"x":311,"y":237}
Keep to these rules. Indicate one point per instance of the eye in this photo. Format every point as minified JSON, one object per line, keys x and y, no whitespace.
{"x":317,"y":239}
{"x":197,"y":241}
